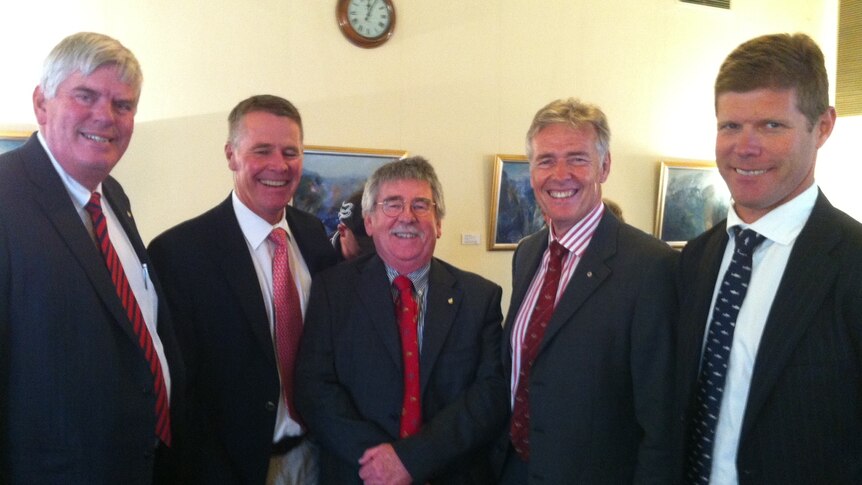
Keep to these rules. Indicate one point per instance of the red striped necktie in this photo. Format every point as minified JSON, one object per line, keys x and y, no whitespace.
{"x":133,"y":312}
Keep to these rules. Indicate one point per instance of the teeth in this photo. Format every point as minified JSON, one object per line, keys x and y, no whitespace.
{"x":560,"y":194}
{"x":405,"y":235}
{"x":274,"y":183}
{"x":750,"y":172}
{"x":95,"y":138}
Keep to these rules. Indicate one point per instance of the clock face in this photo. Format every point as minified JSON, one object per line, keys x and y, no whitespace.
{"x":369,"y":18}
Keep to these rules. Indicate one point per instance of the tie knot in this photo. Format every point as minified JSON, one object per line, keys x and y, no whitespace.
{"x":747,"y":240}
{"x":94,"y":205}
{"x":279,"y":237}
{"x":403,"y":284}
{"x":558,"y":250}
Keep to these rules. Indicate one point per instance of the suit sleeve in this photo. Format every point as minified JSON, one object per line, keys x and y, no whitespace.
{"x":652,"y":369}
{"x":323,"y":402}
{"x":476,"y":418}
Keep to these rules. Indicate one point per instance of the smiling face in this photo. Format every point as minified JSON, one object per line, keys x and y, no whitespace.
{"x":566,"y":173}
{"x":266,"y":158}
{"x":88,"y":123}
{"x":405,"y":242}
{"x":765,"y":149}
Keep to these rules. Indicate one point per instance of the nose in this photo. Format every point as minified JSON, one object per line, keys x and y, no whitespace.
{"x":407,"y":215}
{"x":103,"y":109}
{"x":747,"y":143}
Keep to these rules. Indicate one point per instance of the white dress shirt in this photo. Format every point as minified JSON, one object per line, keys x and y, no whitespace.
{"x":255,"y":231}
{"x":137,"y":273}
{"x":781,"y":227}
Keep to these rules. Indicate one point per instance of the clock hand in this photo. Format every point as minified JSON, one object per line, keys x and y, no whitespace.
{"x":370,"y":6}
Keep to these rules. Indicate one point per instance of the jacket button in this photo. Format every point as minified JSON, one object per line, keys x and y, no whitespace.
{"x":270,"y":406}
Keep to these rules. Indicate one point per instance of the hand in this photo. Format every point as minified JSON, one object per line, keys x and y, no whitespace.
{"x":381,"y":466}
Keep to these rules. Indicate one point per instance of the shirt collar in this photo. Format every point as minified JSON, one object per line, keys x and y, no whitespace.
{"x":418,"y":277}
{"x":784,"y":223}
{"x":79,"y":194}
{"x":254,"y":228}
{"x":578,"y":236}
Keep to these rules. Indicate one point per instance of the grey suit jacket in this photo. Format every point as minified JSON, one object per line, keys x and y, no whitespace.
{"x":76,"y":400}
{"x":803,"y":419}
{"x":601,"y":384}
{"x":213,"y":291}
{"x":349,"y":374}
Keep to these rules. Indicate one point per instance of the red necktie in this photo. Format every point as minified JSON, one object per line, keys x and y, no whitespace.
{"x":520,"y":427}
{"x":133,"y":311}
{"x":408,"y":316}
{"x":288,"y":317}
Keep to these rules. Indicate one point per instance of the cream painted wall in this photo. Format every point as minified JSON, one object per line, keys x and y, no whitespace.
{"x":458,"y":83}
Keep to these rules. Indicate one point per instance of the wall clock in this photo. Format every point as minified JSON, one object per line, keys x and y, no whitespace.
{"x":366,"y":23}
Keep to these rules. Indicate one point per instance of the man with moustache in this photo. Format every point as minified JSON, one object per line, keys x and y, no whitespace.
{"x":587,"y":342}
{"x":90,"y":371}
{"x":399,"y":374}
{"x":237,"y":279}
{"x":770,"y":337}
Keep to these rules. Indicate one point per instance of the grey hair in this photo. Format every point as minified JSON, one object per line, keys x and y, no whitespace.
{"x":411,"y":168}
{"x":85,"y":52}
{"x":576,"y":114}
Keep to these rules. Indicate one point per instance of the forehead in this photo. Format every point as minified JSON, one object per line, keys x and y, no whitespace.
{"x":264,"y":127}
{"x":106,"y":79}
{"x":405,"y":188}
{"x":562,"y":135}
{"x":758,"y":102}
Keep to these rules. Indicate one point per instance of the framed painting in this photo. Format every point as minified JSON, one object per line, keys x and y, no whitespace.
{"x":514,"y":212}
{"x":331,"y":174}
{"x":692,"y":197}
{"x":9,"y":140}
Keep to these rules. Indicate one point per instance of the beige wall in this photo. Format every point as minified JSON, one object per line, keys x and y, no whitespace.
{"x":458,"y":83}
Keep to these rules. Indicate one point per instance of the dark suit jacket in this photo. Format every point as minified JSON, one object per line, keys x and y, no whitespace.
{"x":214,"y":294}
{"x":349,"y":373}
{"x":76,"y":400}
{"x":600,"y":387}
{"x":803,"y":419}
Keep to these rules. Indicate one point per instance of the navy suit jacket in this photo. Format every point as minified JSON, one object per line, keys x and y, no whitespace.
{"x":76,"y":400}
{"x":803,"y":418}
{"x":601,"y":384}
{"x":349,"y":374}
{"x":214,"y":294}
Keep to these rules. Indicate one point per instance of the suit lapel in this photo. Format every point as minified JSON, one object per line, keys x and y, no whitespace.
{"x":235,"y":261}
{"x":376,"y":297}
{"x":526,"y":261}
{"x":443,"y":302}
{"x":591,"y":271}
{"x":60,"y":210}
{"x":806,"y":281}
{"x":694,"y":321}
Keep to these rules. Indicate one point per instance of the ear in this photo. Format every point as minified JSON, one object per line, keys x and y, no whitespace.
{"x":825,"y":125}
{"x":439,"y":227}
{"x":368,"y":226}
{"x":228,"y":153}
{"x":39,"y":106}
{"x":605,"y":169}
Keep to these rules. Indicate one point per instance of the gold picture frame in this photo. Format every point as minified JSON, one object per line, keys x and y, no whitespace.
{"x":692,"y":197}
{"x":9,"y":140}
{"x":514,"y":212}
{"x":331,"y":174}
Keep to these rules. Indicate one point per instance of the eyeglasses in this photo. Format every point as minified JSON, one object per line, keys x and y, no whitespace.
{"x":394,"y":207}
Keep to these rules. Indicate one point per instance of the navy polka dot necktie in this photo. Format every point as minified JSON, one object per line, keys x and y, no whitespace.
{"x":716,"y":355}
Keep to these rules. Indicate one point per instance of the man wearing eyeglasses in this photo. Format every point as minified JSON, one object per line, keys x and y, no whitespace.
{"x":399,"y":378}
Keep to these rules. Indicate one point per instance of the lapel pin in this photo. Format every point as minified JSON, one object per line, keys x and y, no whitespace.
{"x":589,"y":274}
{"x":451,"y":301}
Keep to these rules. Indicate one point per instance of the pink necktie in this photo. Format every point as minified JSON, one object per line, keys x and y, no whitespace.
{"x":408,"y":317}
{"x":288,"y":317}
{"x":520,"y":426}
{"x":133,"y":311}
